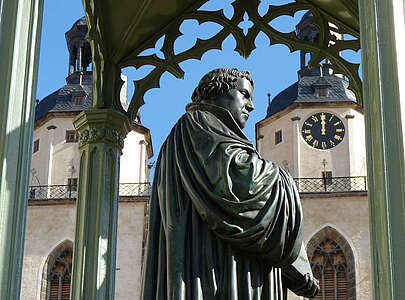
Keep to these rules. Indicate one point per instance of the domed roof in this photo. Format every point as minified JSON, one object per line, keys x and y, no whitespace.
{"x":305,"y":90}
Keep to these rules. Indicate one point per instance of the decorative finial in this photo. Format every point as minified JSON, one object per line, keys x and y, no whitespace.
{"x":268,"y":97}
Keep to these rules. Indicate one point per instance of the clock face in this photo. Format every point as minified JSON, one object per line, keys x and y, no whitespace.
{"x":323,"y":131}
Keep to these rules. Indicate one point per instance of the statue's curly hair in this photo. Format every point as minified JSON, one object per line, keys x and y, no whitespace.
{"x":218,"y":82}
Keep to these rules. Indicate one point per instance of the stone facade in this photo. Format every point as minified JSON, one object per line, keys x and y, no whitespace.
{"x":340,"y":215}
{"x":54,"y":178}
{"x":331,"y":179}
{"x":346,"y":159}
{"x":52,"y":226}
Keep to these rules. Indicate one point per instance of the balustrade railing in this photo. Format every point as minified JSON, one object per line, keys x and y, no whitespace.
{"x":69,"y":192}
{"x":304,"y":185}
{"x":332,"y":184}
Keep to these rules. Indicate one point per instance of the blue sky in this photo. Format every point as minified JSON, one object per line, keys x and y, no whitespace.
{"x":272,"y":68}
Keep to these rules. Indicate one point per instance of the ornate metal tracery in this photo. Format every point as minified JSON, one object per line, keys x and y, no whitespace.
{"x":60,"y":276}
{"x":333,"y":264}
{"x":108,"y":62}
{"x":57,"y":274}
{"x":329,"y":267}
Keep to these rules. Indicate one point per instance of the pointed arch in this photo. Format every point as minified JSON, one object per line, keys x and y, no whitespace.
{"x":56,"y":274}
{"x":333,"y":264}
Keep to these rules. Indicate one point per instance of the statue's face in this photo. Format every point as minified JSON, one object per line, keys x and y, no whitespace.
{"x":238,"y":101}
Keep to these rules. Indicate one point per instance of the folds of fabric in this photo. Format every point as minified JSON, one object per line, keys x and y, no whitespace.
{"x":222,"y":220}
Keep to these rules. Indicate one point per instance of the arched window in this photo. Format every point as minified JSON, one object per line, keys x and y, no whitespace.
{"x":57,"y":273}
{"x":332,"y":263}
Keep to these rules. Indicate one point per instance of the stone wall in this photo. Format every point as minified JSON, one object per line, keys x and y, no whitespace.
{"x":49,"y":226}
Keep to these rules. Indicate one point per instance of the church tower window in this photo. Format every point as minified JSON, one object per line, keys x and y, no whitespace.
{"x":72,"y":183}
{"x":78,"y":100}
{"x":61,"y":277}
{"x":71,"y":136}
{"x":327,"y":177}
{"x":329,"y":267}
{"x":278,"y":137}
{"x":332,"y":263}
{"x":322,"y":92}
{"x":57,"y":273}
{"x":36,"y":146}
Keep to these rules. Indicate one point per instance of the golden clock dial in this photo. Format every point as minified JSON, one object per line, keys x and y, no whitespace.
{"x":323,"y":130}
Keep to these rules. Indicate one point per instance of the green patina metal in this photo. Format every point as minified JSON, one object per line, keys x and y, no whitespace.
{"x":385,"y":148}
{"x":119,"y":44}
{"x":101,"y":139}
{"x":20,"y":28}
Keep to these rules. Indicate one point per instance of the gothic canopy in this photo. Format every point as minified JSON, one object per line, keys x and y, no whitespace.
{"x":120,"y":33}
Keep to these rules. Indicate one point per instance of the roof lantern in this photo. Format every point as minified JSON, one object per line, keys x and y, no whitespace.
{"x":79,"y":48}
{"x":317,"y":84}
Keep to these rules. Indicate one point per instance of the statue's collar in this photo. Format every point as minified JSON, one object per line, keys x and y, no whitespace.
{"x":222,"y":114}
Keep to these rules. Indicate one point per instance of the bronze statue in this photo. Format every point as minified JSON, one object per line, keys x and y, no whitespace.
{"x":224,"y":223}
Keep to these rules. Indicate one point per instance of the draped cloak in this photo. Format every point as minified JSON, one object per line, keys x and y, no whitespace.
{"x":222,"y":220}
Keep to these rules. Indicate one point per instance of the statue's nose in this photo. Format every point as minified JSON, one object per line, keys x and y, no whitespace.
{"x":250,"y":106}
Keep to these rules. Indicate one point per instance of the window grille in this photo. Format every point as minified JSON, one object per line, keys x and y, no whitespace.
{"x":60,"y":276}
{"x":278,"y":137}
{"x":329,"y":267}
{"x":71,"y":136}
{"x":36,"y":146}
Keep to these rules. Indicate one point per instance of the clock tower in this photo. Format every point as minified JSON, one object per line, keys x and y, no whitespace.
{"x":315,"y":126}
{"x":315,"y":129}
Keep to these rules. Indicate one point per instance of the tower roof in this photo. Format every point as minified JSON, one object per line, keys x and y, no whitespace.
{"x":62,"y":100}
{"x":82,"y":21}
{"x":305,"y":90}
{"x":79,"y":80}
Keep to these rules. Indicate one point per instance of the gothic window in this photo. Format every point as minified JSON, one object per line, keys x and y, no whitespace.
{"x":60,"y":277}
{"x":329,"y":267}
{"x":332,"y":264}
{"x":57,"y":273}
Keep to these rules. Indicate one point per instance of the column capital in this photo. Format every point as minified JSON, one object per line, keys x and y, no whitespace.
{"x":102,"y":126}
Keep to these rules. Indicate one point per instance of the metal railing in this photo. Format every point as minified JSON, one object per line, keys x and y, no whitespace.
{"x":304,"y":185}
{"x":69,"y":192}
{"x":332,"y":184}
{"x":135,"y":189}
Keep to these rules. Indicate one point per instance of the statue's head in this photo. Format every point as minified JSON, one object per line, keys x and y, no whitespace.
{"x":229,"y":88}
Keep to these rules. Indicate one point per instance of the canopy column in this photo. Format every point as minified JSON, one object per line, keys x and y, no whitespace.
{"x":382,"y":41}
{"x":20,"y":29}
{"x":101,"y":139}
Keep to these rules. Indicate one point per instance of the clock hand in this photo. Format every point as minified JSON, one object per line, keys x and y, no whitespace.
{"x":323,"y":123}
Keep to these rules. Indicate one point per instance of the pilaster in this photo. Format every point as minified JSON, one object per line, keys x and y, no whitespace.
{"x":20,"y":28}
{"x":101,"y":139}
{"x":296,"y":146}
